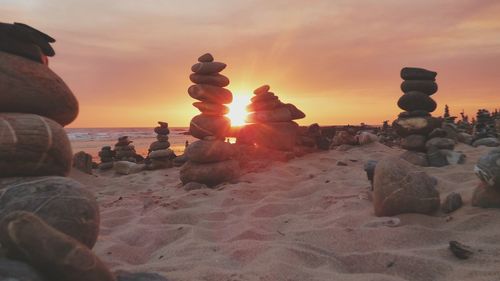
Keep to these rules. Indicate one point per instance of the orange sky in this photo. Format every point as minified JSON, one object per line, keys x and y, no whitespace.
{"x":128,"y":62}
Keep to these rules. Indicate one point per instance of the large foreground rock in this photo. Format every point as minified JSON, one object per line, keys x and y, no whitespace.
{"x":32,"y":145}
{"x":400,"y":187}
{"x":210,"y":173}
{"x":61,"y":202}
{"x":30,"y":87}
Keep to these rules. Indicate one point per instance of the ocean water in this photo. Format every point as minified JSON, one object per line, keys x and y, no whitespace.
{"x":91,"y":140}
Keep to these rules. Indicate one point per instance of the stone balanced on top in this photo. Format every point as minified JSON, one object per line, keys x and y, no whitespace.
{"x":160,"y":155}
{"x":210,"y":159}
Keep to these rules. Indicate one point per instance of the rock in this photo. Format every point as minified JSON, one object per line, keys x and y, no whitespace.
{"x":464,"y":138}
{"x":278,"y":135}
{"x":425,"y":86}
{"x":61,"y":202}
{"x":415,"y":113}
{"x":490,"y":142}
{"x":210,"y":151}
{"x":437,"y":133}
{"x":414,"y":142}
{"x":451,"y":131}
{"x":208,"y":67}
{"x":460,"y":250}
{"x":162,"y":154}
{"x":179,"y":160}
{"x":194,"y":186}
{"x":281,"y":114}
{"x":205,"y":125}
{"x":262,"y":90}
{"x":452,"y":202}
{"x":162,"y":138}
{"x":11,"y":270}
{"x":416,"y":125}
{"x":415,"y":73}
{"x":214,"y":79}
{"x":264,"y":97}
{"x":344,"y":137}
{"x":105,"y":166}
{"x":341,"y":163}
{"x":415,"y":158}
{"x":159,"y":145}
{"x":436,"y":157}
{"x":58,"y":256}
{"x":83,"y":161}
{"x":210,"y":174}
{"x":296,"y":113}
{"x":369,"y":168}
{"x":206,"y":58}
{"x":453,"y":157}
{"x":209,"y":93}
{"x":411,"y":101}
{"x":127,"y":167}
{"x":400,"y":188}
{"x":142,"y":276}
{"x":488,"y":168}
{"x":440,"y":143}
{"x":32,"y":145}
{"x":30,"y":87}
{"x":366,"y":138}
{"x":159,"y":163}
{"x":486,"y":196}
{"x":162,"y":131}
{"x":211,"y":108}
{"x":264,"y":105}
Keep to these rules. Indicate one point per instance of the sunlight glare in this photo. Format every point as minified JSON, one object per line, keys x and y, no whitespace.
{"x":237,"y":109}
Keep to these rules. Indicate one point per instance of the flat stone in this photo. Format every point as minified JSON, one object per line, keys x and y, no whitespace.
{"x":264,"y":105}
{"x":162,"y":153}
{"x":262,"y":90}
{"x":203,"y":151}
{"x":437,"y":133}
{"x":209,"y":93}
{"x":415,"y":113}
{"x":210,"y":174}
{"x":451,"y":203}
{"x":202,"y":126}
{"x":440,"y":143}
{"x":415,"y":158}
{"x":412,"y":101}
{"x":296,"y":113}
{"x":159,"y":145}
{"x":264,"y":97}
{"x":206,"y":58}
{"x":415,"y":73}
{"x":127,"y":167}
{"x":486,"y":197}
{"x":214,"y":79}
{"x":140,"y":276}
{"x":213,"y":109}
{"x":23,"y":40}
{"x":276,"y":135}
{"x":490,"y":142}
{"x":425,"y":86}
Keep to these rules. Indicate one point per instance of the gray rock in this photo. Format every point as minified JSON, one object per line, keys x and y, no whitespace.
{"x":488,"y":168}
{"x":203,"y":151}
{"x":83,"y":162}
{"x":414,"y":142}
{"x":436,"y":157}
{"x":11,"y":270}
{"x":415,"y":158}
{"x":180,"y":160}
{"x":127,"y":167}
{"x":105,"y":166}
{"x":451,"y":203}
{"x":414,"y":100}
{"x":202,"y":126}
{"x":453,"y":157}
{"x":400,"y":187}
{"x":157,"y":145}
{"x":210,"y":174}
{"x":464,"y":138}
{"x":425,"y":86}
{"x":490,"y":142}
{"x":440,"y":143}
{"x":141,"y":276}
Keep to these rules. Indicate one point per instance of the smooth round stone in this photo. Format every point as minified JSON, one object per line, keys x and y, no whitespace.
{"x":262,"y":90}
{"x":20,"y":32}
{"x":416,"y":125}
{"x":490,"y":142}
{"x":369,"y":168}
{"x":11,"y":270}
{"x":210,"y":151}
{"x":140,"y":276}
{"x":488,"y":168}
{"x":61,"y":202}
{"x":202,"y":126}
{"x":162,"y":138}
{"x":157,"y":145}
{"x":214,"y":80}
{"x":296,"y":113}
{"x":415,"y":73}
{"x":263,"y":105}
{"x":425,"y":86}
{"x":485,"y":196}
{"x":209,"y":93}
{"x":210,"y":174}
{"x":400,"y":187}
{"x":278,"y":135}
{"x":415,"y":158}
{"x":211,"y":108}
{"x":206,"y":58}
{"x":32,"y":145}
{"x":127,"y":167}
{"x":30,"y":87}
{"x":281,"y":114}
{"x":27,"y":237}
{"x":437,"y":133}
{"x":440,"y":143}
{"x":451,"y":203}
{"x":416,"y":113}
{"x":412,"y":101}
{"x":208,"y":67}
{"x":414,"y":143}
{"x":264,"y":97}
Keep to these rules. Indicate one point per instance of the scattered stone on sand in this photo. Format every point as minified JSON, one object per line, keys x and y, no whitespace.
{"x":490,"y":142}
{"x":139,"y":276}
{"x":400,"y":187}
{"x":460,"y":250}
{"x":82,"y":161}
{"x":451,"y":203}
{"x":127,"y":167}
{"x":194,"y":186}
{"x":210,"y":174}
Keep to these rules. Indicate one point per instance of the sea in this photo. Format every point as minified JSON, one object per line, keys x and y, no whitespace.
{"x":91,"y":140}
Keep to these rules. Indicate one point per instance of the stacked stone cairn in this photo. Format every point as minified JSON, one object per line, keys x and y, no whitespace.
{"x":48,"y":222}
{"x":484,"y":132}
{"x":421,"y":133}
{"x":487,"y":194}
{"x":271,"y":122}
{"x":160,"y":155}
{"x":124,"y":150}
{"x":107,"y":157}
{"x":210,"y":160}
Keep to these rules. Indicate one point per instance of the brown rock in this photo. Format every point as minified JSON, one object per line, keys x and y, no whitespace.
{"x":344,"y":137}
{"x":157,"y":145}
{"x":281,"y":114}
{"x":206,"y":58}
{"x":208,"y":67}
{"x":262,"y":90}
{"x":30,"y":87}
{"x":209,"y":93}
{"x":58,"y":256}
{"x":264,"y":105}
{"x":486,"y":197}
{"x":214,"y":109}
{"x":202,"y":126}
{"x":279,"y":135}
{"x":214,"y":80}
{"x":210,"y":174}
{"x":32,"y":145}
{"x":210,"y":151}
{"x":415,"y":158}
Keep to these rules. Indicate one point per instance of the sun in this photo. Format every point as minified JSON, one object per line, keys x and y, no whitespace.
{"x":237,"y":109}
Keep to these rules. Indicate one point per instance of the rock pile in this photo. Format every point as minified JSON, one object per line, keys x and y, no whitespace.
{"x":124,"y":150}
{"x":272,"y":124}
{"x":210,"y":159}
{"x":160,"y":155}
{"x":484,"y":132}
{"x":107,"y":157}
{"x":487,"y":194}
{"x":43,"y":215}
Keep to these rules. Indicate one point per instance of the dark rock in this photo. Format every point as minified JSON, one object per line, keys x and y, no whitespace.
{"x":162,"y":138}
{"x":159,"y":145}
{"x":83,"y":161}
{"x":296,"y":113}
{"x":61,"y":202}
{"x":208,"y":67}
{"x":437,"y":133}
{"x":179,"y":160}
{"x":214,"y":109}
{"x":369,"y":168}
{"x":281,"y":114}
{"x":206,"y":58}
{"x":464,"y":138}
{"x":488,"y":168}
{"x":441,"y":143}
{"x":416,"y":113}
{"x":203,"y":151}
{"x":142,"y":276}
{"x":414,"y":73}
{"x":412,"y":101}
{"x":414,"y":143}
{"x":11,"y":270}
{"x":490,"y":142}
{"x":209,"y":93}
{"x":166,"y":153}
{"x":486,"y":196}
{"x":21,"y":39}
{"x":279,"y":135}
{"x":264,"y":105}
{"x":453,"y":157}
{"x":415,"y":158}
{"x":262,"y":90}
{"x":29,"y":87}
{"x":162,"y":131}
{"x":425,"y":86}
{"x":210,"y":174}
{"x":416,"y":125}
{"x":59,"y":257}
{"x":436,"y":157}
{"x":400,"y":188}
{"x":460,"y":250}
{"x":194,"y":186}
{"x":452,"y":202}
{"x":105,"y":166}
{"x":202,"y":126}
{"x":214,"y":79}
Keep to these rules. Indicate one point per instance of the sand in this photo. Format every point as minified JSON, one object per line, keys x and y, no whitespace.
{"x":307,"y":219}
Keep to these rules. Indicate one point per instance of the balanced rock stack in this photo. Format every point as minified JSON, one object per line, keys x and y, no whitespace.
{"x":271,"y":121}
{"x":485,"y":130}
{"x":107,"y":157}
{"x":124,"y":150}
{"x":44,"y":216}
{"x":210,"y":159}
{"x":160,"y":155}
{"x":487,"y":194}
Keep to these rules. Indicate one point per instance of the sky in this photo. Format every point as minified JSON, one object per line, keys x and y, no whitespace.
{"x":128,"y":62}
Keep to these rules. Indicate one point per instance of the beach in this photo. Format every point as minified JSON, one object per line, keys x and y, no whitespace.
{"x":308,"y":219}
